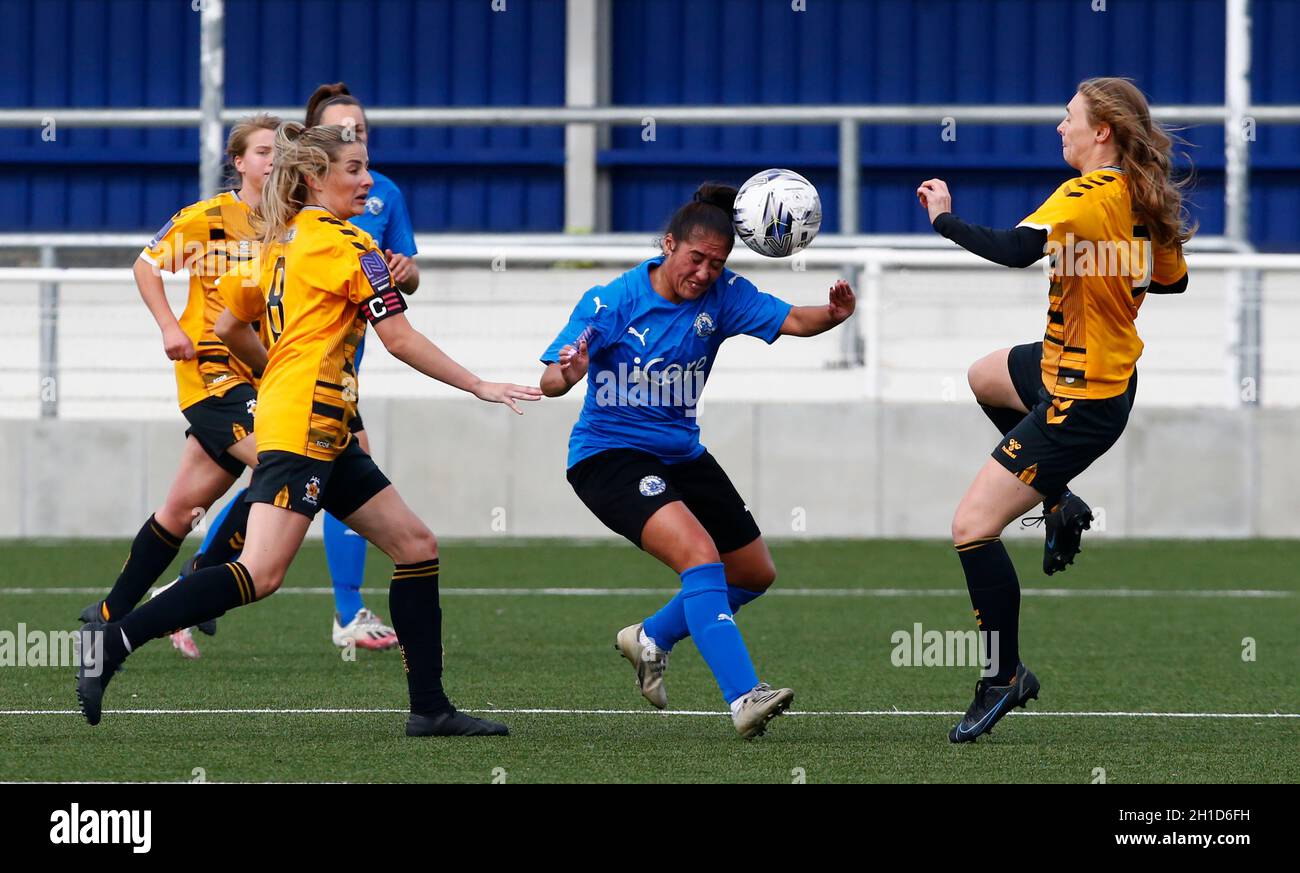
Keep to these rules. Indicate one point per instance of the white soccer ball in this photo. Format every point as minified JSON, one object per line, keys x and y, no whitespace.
{"x":777,"y":213}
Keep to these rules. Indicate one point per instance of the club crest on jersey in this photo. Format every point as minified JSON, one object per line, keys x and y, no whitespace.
{"x":374,"y":205}
{"x":704,"y":325}
{"x":652,"y":486}
{"x":312,"y":494}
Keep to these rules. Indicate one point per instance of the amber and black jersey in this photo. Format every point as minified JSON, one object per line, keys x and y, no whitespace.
{"x":1102,"y":263}
{"x":208,"y":238}
{"x":315,"y":291}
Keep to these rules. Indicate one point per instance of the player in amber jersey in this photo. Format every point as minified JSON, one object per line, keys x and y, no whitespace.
{"x":319,"y":281}
{"x":1112,"y":235}
{"x":216,"y":392}
{"x":387,"y":221}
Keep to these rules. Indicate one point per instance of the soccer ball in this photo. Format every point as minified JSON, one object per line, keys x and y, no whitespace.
{"x":777,"y":213}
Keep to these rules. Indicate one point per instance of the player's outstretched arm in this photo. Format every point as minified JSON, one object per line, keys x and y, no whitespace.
{"x":559,"y":377}
{"x":1017,"y":247}
{"x":418,"y":352}
{"x":149,"y":280}
{"x":812,"y":320}
{"x":242,"y":341}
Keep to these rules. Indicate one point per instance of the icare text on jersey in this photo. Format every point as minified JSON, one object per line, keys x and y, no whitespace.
{"x":650,"y":359}
{"x":316,"y":290}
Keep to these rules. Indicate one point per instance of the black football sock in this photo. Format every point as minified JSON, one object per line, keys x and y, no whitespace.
{"x":228,"y":541}
{"x":152,"y":550}
{"x":417,"y":618}
{"x":205,"y":594}
{"x":1003,"y":419}
{"x":995,"y":595}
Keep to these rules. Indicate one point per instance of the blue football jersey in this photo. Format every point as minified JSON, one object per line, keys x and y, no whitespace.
{"x":649,"y":359}
{"x":386,"y":218}
{"x":388,"y":223}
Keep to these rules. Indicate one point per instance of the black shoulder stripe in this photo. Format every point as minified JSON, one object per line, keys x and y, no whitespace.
{"x":360,"y":246}
{"x":1075,"y":194}
{"x":347,"y":232}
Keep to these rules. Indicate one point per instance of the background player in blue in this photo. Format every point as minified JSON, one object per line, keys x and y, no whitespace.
{"x":387,"y":221}
{"x":649,"y":339}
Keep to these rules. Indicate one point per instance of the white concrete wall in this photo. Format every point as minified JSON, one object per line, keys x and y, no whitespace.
{"x":932,"y":325}
{"x":845,"y":469}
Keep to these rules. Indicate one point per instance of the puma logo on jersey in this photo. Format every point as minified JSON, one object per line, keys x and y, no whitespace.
{"x":641,"y":336}
{"x":600,"y":306}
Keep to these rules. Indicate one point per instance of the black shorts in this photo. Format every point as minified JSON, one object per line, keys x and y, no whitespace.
{"x":217,"y":423}
{"x":624,"y":487}
{"x":307,"y":485}
{"x":1060,"y":437}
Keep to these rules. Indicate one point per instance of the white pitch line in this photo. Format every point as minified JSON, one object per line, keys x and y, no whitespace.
{"x":1235,"y":593}
{"x":867,"y":713}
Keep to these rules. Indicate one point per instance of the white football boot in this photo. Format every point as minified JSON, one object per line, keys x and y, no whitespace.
{"x":751,"y":713}
{"x":649,"y":661}
{"x":365,"y":631}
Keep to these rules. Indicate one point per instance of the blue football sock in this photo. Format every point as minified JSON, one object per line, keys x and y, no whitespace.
{"x":667,"y":627}
{"x":345,"y":552}
{"x":738,"y":597}
{"x":214,"y":524}
{"x":704,"y":590}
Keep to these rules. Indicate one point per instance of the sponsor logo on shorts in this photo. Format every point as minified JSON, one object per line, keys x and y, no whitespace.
{"x":312,"y":495}
{"x":652,"y":486}
{"x":251,"y":405}
{"x":1011,"y":448}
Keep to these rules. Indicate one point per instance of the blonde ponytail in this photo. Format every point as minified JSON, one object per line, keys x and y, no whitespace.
{"x":300,"y":153}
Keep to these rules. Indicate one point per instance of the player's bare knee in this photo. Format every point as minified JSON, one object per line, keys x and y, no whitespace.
{"x":761,"y":578}
{"x":967,"y":526}
{"x":419,"y":544}
{"x":981,"y":385}
{"x":176,"y":519}
{"x":265,"y":581}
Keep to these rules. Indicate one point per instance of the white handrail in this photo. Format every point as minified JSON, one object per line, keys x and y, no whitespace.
{"x":426,"y":242}
{"x":574,"y":256}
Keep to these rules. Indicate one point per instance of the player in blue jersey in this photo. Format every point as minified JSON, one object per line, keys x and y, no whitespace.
{"x":646,"y":343}
{"x":387,"y":221}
